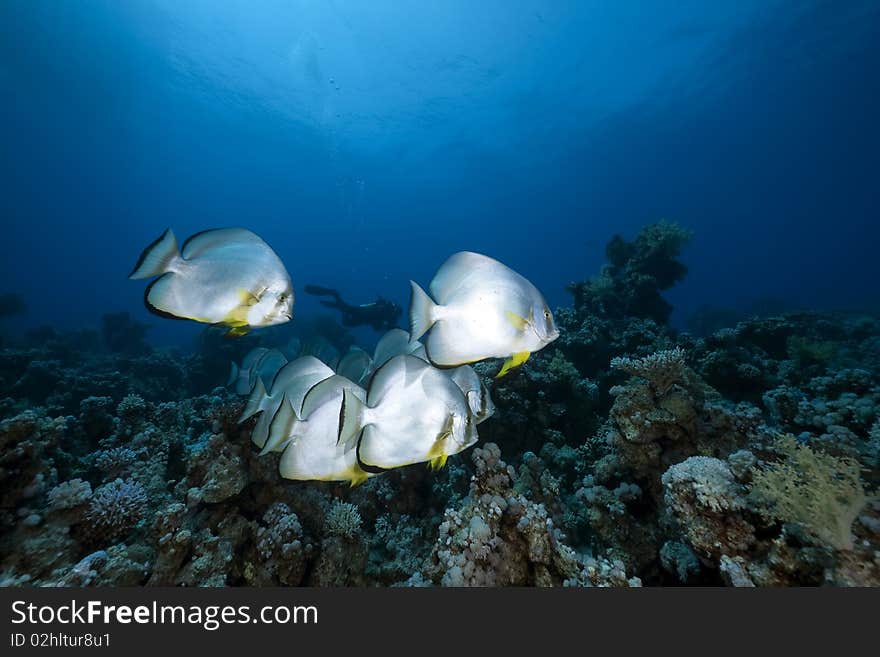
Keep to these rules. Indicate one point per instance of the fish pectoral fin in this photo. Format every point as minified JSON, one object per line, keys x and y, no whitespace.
{"x":437,"y":454}
{"x":515,"y":360}
{"x":237,"y":331}
{"x":247,"y":297}
{"x":238,"y":316}
{"x":519,"y":323}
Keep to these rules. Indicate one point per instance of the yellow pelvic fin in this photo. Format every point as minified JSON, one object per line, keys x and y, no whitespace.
{"x":438,"y":462}
{"x":237,"y":317}
{"x":514,"y":361}
{"x":356,"y":477}
{"x":237,"y":331}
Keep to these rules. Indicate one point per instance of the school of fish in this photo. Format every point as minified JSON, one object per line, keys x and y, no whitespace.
{"x":353,"y":417}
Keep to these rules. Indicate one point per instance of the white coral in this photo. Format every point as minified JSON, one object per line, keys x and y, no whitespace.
{"x":343,"y":519}
{"x":661,"y":370}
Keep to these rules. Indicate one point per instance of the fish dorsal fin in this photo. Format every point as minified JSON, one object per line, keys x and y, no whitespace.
{"x":268,"y":366}
{"x":216,"y":238}
{"x":355,"y":365}
{"x":296,"y":369}
{"x":456,"y":271}
{"x":415,"y":370}
{"x":253,"y":357}
{"x":322,"y":390}
{"x":394,"y":342}
{"x":402,"y":370}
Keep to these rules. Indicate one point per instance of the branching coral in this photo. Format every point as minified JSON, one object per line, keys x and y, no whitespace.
{"x":343,"y":519}
{"x":116,"y":461}
{"x":822,"y":493}
{"x":661,"y":370}
{"x":115,"y":508}
{"x":132,"y":410}
{"x":702,"y":495}
{"x":69,"y":495}
{"x":281,"y":548}
{"x":500,"y":538}
{"x":587,"y":453}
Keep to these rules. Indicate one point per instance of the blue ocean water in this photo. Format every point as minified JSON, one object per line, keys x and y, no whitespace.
{"x":366,"y":141}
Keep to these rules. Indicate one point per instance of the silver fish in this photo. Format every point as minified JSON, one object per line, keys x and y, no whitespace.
{"x":227,"y":276}
{"x":413,"y":413}
{"x":260,"y":364}
{"x":483,"y":309}
{"x":292,"y":382}
{"x":240,"y":377}
{"x":320,"y":348}
{"x":315,"y":454}
{"x":475,"y":391}
{"x":393,"y":343}
{"x":294,"y":377}
{"x":313,"y":450}
{"x":356,"y":365}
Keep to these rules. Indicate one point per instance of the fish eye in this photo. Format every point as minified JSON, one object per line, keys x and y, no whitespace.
{"x":546,"y":313}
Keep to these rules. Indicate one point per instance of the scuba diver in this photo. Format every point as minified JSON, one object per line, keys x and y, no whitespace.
{"x":381,"y":314}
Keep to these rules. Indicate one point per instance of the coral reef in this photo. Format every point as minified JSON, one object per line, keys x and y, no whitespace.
{"x":630,"y":284}
{"x":746,"y":455}
{"x":114,"y":509}
{"x":822,"y":493}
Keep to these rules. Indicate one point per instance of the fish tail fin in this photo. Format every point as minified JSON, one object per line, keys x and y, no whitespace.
{"x":421,"y":312}
{"x":350,"y":417}
{"x":515,"y":360}
{"x":260,"y":432}
{"x":233,"y":373}
{"x":156,"y":259}
{"x":277,"y":441}
{"x":285,"y":427}
{"x":253,"y":405}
